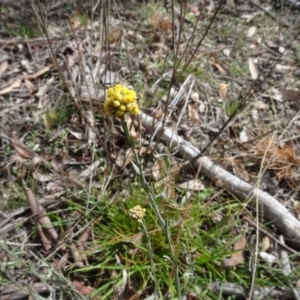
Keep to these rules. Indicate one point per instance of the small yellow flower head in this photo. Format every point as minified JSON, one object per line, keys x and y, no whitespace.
{"x":120,"y":100}
{"x":137,"y":213}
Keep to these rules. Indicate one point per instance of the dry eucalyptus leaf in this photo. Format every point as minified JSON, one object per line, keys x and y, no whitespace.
{"x":194,"y":184}
{"x":237,"y":257}
{"x":8,"y":89}
{"x":39,"y":214}
{"x":39,"y":73}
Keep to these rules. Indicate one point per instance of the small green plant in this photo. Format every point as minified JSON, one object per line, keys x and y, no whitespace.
{"x":30,"y":30}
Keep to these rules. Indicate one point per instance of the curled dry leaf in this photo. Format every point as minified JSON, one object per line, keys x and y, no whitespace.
{"x":237,"y":257}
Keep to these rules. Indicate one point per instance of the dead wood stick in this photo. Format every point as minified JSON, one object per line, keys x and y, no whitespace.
{"x":284,"y":221}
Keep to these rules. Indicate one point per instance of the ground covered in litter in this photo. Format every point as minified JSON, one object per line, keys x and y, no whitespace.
{"x":223,"y":79}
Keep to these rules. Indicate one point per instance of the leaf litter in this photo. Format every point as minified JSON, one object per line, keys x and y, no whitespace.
{"x":226,"y":65}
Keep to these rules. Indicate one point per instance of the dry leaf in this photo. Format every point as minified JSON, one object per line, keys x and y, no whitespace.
{"x":156,"y":169}
{"x":82,"y":288}
{"x":42,"y":177}
{"x":266,"y":244}
{"x":39,"y":214}
{"x":124,"y":159}
{"x":237,"y":257}
{"x":31,"y":87}
{"x":194,"y":185}
{"x":115,"y":35}
{"x":215,"y":62}
{"x":193,"y":112}
{"x":252,"y":68}
{"x":223,"y":91}
{"x":22,"y":149}
{"x":290,"y":95}
{"x":3,"y":67}
{"x":251,"y":31}
{"x":160,"y":23}
{"x":74,"y":22}
{"x":8,"y":89}
{"x":39,"y":73}
{"x":240,"y":171}
{"x":90,"y":169}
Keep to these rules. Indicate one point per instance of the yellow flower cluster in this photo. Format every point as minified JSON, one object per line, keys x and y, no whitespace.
{"x":137,"y":213}
{"x":120,"y":100}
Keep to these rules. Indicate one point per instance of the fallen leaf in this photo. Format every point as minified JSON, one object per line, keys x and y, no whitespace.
{"x":82,"y":288}
{"x":74,"y":22}
{"x":156,"y":169}
{"x":39,"y":214}
{"x":160,"y":23}
{"x":22,"y":149}
{"x":124,"y":159}
{"x":290,"y":95}
{"x":8,"y":89}
{"x":194,"y":185}
{"x":251,"y":31}
{"x":193,"y":112}
{"x":266,"y":244}
{"x":115,"y":35}
{"x":3,"y":67}
{"x":223,"y":91}
{"x":42,"y":177}
{"x":237,"y":257}
{"x":215,"y":62}
{"x":252,"y":68}
{"x":39,"y":73}
{"x":31,"y":87}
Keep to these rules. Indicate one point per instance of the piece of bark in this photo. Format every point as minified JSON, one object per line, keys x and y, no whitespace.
{"x":284,"y":221}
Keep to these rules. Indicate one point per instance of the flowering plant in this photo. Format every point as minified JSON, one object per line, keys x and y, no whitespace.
{"x":120,"y":100}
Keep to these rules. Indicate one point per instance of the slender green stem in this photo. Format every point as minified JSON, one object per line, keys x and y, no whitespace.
{"x":162,"y":223}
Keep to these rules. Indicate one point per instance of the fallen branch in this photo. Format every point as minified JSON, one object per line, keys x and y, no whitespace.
{"x":227,"y":288}
{"x":284,"y":221}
